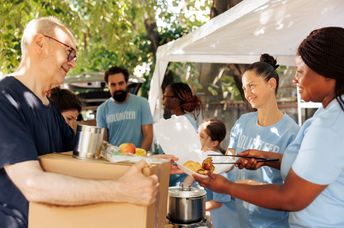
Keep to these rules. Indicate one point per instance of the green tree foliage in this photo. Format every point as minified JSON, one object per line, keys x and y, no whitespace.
{"x":108,"y":32}
{"x":13,"y":17}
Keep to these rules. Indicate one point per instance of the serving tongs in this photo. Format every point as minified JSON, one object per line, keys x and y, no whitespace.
{"x":259,"y":159}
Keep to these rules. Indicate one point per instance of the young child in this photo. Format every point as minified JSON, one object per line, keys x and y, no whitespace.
{"x":211,"y":134}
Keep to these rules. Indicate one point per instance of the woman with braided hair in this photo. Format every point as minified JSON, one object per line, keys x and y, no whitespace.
{"x":312,"y":165}
{"x":179,"y":100}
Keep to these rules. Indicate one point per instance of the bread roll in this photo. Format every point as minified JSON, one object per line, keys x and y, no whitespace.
{"x":192,"y":165}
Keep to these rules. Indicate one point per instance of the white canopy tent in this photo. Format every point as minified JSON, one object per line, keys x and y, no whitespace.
{"x":244,"y":32}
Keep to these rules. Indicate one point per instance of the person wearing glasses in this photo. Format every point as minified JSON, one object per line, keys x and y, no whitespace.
{"x":179,"y":100}
{"x":126,"y":117}
{"x":313,"y":164}
{"x":32,"y":126}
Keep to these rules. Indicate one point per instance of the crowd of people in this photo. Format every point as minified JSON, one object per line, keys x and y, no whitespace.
{"x":303,"y":188}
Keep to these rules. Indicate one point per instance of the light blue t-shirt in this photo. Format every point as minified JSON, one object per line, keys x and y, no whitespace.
{"x":226,"y":216}
{"x":192,"y":120}
{"x":124,"y":121}
{"x":321,"y":161}
{"x":247,"y":134}
{"x":292,"y":150}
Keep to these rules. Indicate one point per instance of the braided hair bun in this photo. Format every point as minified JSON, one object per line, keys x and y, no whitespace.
{"x":188,"y":101}
{"x":191,"y":104}
{"x":323,"y":51}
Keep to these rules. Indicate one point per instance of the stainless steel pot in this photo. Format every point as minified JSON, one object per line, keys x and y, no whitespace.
{"x":186,"y":205}
{"x":88,"y":141}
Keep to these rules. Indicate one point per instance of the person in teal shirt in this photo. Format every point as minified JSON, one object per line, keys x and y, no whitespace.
{"x":267,"y":129}
{"x":127,"y":117}
{"x":313,"y":165}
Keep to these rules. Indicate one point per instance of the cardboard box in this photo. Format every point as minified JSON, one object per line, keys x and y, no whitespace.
{"x":102,"y":214}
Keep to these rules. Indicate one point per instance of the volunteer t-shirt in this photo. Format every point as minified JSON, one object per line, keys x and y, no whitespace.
{"x":321,"y":161}
{"x":247,"y":134}
{"x":125,"y":120}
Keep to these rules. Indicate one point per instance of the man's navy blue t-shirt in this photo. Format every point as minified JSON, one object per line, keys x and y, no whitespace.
{"x":28,"y":129}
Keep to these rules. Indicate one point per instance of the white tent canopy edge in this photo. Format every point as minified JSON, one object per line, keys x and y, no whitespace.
{"x":244,"y":32}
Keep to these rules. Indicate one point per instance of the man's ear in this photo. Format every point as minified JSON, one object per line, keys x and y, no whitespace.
{"x":38,"y":42}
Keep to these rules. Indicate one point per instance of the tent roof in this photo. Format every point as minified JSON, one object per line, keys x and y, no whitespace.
{"x":253,"y":27}
{"x":243,"y":33}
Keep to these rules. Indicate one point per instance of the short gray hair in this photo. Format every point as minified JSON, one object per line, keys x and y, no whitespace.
{"x":43,"y":25}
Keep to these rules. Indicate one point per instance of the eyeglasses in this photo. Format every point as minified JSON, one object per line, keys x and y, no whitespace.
{"x":71,"y":51}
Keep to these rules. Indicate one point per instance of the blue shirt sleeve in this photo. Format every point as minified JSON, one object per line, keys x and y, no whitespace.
{"x":100,"y":116}
{"x":320,"y":159}
{"x":15,"y":146}
{"x":147,"y":117}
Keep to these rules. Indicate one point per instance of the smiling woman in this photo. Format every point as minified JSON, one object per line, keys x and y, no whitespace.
{"x":267,"y":129}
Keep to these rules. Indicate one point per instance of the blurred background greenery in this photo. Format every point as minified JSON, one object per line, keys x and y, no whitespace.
{"x":108,"y":32}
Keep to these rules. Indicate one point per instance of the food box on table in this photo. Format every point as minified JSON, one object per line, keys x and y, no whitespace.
{"x":102,"y":214}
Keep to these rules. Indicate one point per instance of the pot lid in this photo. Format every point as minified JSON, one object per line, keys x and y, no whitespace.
{"x":186,"y":193}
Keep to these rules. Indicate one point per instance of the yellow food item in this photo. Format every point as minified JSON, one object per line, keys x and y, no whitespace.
{"x":202,"y":171}
{"x":206,"y":168}
{"x":192,"y":165}
{"x":140,"y":152}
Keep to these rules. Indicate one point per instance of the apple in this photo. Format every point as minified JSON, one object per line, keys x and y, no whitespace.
{"x":126,"y":148}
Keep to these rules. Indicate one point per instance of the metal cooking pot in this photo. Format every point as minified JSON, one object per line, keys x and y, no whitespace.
{"x":88,"y":141}
{"x":186,"y":205}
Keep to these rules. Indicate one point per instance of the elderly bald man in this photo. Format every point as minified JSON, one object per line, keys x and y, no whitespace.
{"x":31,"y":126}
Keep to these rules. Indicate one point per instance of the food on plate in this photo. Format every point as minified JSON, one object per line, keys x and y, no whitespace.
{"x":140,"y":152}
{"x":206,"y":168}
{"x":126,"y":148}
{"x":192,"y":165}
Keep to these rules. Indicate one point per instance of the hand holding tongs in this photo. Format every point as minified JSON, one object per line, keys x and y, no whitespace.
{"x":258,"y":159}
